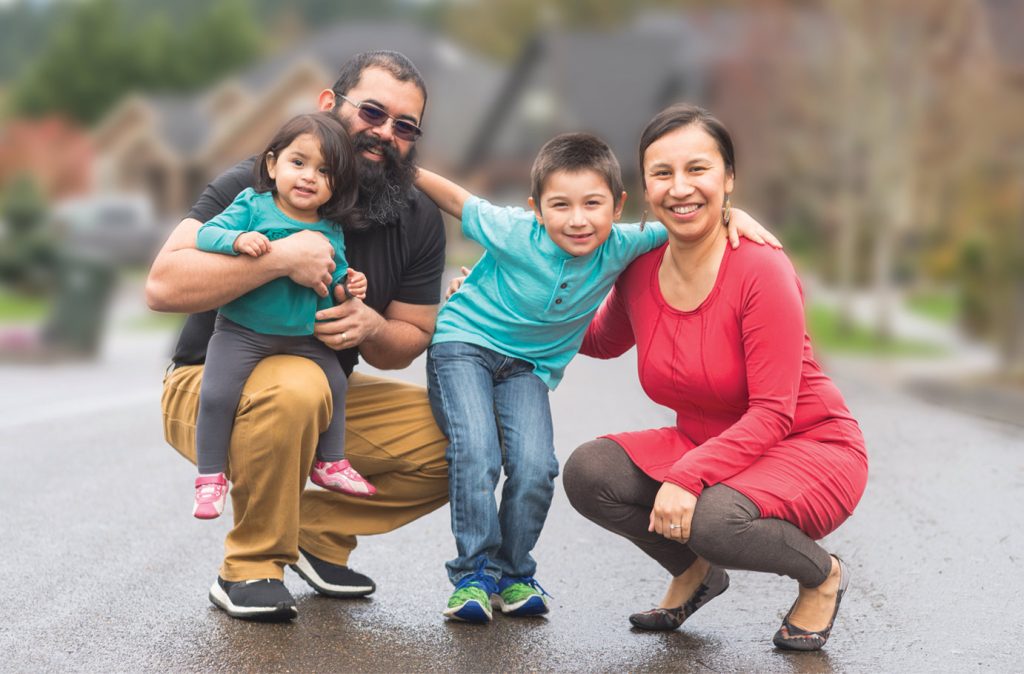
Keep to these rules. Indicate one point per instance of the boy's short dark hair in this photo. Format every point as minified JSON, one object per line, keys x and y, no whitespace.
{"x":574,"y":152}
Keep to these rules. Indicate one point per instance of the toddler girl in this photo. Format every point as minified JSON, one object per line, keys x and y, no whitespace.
{"x":305,"y":179}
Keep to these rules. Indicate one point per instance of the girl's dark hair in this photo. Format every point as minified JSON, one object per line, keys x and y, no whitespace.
{"x":682,"y":115}
{"x":339,"y":157}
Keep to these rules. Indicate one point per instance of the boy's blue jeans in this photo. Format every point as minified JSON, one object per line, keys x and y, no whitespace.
{"x":495,"y":412}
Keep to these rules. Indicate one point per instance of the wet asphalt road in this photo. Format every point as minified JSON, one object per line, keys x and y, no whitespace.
{"x":104,"y":570}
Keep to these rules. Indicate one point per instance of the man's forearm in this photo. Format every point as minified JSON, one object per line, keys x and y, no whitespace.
{"x":395,"y":345}
{"x":189,"y":280}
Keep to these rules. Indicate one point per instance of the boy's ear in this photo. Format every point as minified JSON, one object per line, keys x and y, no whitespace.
{"x":536,"y":210}
{"x":622,"y":203}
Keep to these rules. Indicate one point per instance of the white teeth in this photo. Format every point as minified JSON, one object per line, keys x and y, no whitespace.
{"x":683,"y":210}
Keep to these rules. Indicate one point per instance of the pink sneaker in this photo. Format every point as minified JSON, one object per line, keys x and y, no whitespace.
{"x":211,"y":491}
{"x":341,"y":477}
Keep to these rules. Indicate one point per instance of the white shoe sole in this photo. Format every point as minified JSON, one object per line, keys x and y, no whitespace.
{"x":281,"y":611}
{"x":309,"y":574}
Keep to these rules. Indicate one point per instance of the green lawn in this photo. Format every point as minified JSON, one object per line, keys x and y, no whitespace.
{"x":16,"y":307}
{"x":942,"y":306}
{"x":826,"y":336}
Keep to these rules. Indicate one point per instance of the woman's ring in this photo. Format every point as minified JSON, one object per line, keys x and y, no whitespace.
{"x":675,"y":526}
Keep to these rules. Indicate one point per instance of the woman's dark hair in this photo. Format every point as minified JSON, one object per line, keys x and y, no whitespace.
{"x":682,"y":115}
{"x":339,"y":157}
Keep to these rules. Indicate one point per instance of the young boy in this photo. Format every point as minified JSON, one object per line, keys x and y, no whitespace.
{"x":503,"y":341}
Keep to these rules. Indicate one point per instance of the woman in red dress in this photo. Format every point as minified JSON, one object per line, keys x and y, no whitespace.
{"x":764,"y":457}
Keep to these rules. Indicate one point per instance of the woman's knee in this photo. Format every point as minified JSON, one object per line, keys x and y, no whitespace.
{"x":584,"y":474}
{"x":721,"y":514}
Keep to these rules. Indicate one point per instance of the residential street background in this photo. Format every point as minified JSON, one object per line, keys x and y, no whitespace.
{"x":105,"y":569}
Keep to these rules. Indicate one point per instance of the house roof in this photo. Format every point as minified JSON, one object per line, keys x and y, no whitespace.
{"x":180,"y":121}
{"x":1006,"y":23}
{"x":457,"y":82}
{"x":611,"y":83}
{"x":459,"y":85}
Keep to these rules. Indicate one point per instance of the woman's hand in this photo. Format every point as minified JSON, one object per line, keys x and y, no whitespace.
{"x":741,"y":224}
{"x":673,"y":512}
{"x":456,"y":283}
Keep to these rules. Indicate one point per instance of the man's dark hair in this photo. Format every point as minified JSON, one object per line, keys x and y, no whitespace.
{"x":682,"y":115}
{"x":396,"y":63}
{"x":339,"y":157}
{"x":575,"y":152}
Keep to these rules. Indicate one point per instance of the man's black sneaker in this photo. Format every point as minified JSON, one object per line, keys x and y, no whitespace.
{"x":332,"y":580}
{"x":266,"y":600}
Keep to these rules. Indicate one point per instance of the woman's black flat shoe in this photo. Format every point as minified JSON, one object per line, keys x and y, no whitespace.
{"x":715,"y":582}
{"x":793,"y":638}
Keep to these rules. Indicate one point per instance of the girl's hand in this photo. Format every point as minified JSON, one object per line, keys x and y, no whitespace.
{"x":252,"y":244}
{"x":741,"y":224}
{"x":456,"y":283}
{"x":673,"y":512}
{"x":356,"y":283}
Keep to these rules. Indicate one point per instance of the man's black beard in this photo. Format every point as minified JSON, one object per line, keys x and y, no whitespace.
{"x":385,"y":185}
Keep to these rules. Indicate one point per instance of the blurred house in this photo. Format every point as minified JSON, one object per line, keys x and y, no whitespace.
{"x":612,"y":82}
{"x":55,"y":153}
{"x":170,"y":146}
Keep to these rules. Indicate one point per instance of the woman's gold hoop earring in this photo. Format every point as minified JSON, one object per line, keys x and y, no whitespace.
{"x":643,"y":220}
{"x":726,"y":211}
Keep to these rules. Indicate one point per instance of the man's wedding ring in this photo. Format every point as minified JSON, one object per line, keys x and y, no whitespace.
{"x":675,"y":526}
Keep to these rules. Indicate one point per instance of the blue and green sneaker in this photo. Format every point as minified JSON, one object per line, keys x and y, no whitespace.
{"x":471,"y":600}
{"x":521,"y":597}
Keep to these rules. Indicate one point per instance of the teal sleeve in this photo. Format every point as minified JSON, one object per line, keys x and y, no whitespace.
{"x":218,"y":234}
{"x":639,"y":241}
{"x":491,"y":226}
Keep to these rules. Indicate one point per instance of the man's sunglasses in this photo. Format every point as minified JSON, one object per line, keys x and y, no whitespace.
{"x":375,"y":115}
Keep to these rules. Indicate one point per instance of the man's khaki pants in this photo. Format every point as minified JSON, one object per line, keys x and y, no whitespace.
{"x":390,"y":437}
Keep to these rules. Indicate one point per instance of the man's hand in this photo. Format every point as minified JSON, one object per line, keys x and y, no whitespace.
{"x":309,"y":258}
{"x":672,"y":512}
{"x":348,"y":324}
{"x":356,"y":283}
{"x":741,"y":224}
{"x":252,"y":244}
{"x":456,"y":283}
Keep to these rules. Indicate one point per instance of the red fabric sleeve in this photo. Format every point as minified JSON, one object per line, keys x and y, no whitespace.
{"x":610,"y":333}
{"x":773,"y":333}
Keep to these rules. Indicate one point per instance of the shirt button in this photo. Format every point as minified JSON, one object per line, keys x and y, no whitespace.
{"x":564,"y":286}
{"x":558,"y":301}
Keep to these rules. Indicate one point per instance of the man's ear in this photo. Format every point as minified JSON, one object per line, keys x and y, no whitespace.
{"x":536,"y":210}
{"x":326,"y":100}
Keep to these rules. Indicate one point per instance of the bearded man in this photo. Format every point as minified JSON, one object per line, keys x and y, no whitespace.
{"x":391,"y":437}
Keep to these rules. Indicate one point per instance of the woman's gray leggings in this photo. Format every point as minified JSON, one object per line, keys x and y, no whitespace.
{"x":606,"y":487}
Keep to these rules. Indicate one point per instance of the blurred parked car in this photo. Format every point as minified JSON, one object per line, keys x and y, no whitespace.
{"x":118,"y":229}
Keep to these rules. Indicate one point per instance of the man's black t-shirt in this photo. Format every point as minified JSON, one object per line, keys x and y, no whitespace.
{"x":403,"y":262}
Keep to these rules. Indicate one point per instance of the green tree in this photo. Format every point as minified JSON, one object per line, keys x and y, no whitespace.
{"x":28,"y":249}
{"x":99,"y":53}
